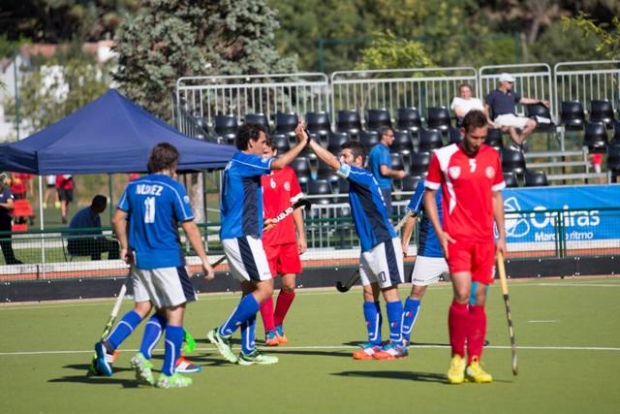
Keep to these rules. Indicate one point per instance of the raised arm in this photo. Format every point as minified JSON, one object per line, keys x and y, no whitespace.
{"x":291,"y":154}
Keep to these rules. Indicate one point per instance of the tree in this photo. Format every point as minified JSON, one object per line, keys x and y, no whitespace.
{"x":386,"y":51}
{"x":608,"y":38}
{"x":168,"y":39}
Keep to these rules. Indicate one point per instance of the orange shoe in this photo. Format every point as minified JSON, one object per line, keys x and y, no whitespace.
{"x":282,"y":339}
{"x":392,"y":351}
{"x":368,"y":351}
{"x":271,"y":339}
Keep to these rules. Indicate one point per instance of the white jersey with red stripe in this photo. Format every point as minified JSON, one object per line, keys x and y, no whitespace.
{"x":467,"y":184}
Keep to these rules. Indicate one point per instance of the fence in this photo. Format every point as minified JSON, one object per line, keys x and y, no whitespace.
{"x":203,"y":97}
{"x":332,"y":242}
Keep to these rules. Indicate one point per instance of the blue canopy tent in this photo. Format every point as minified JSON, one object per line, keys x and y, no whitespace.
{"x":109,"y":135}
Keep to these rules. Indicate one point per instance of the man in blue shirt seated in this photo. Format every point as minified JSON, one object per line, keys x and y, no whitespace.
{"x":90,"y":240}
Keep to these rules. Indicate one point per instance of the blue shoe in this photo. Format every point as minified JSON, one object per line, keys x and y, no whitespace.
{"x":392,"y":350}
{"x":271,"y":338}
{"x":104,"y":359}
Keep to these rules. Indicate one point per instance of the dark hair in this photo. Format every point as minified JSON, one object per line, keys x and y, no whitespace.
{"x":357,"y":149}
{"x":247,"y":132}
{"x":384,"y":130}
{"x":163,"y":156}
{"x":99,"y":201}
{"x":474,"y":119}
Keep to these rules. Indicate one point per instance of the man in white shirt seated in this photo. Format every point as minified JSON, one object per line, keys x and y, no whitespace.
{"x":464,"y":103}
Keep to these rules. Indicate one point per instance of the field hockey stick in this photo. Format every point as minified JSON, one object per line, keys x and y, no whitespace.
{"x":504,"y":284}
{"x":111,"y":319}
{"x":346,"y":286}
{"x":284,"y":214}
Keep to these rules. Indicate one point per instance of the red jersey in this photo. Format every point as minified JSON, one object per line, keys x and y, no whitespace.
{"x":467,"y":184}
{"x":64,"y":181}
{"x":19,"y":183}
{"x":280,"y":190}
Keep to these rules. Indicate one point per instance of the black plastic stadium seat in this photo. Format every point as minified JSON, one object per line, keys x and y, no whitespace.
{"x":595,"y":137}
{"x":350,"y":122}
{"x":409,"y":119}
{"x":429,"y":139}
{"x":513,"y":161}
{"x":535,"y":178}
{"x":494,"y":138}
{"x":377,"y":118}
{"x":511,"y":179}
{"x":319,"y":125}
{"x":257,"y":119}
{"x":285,"y":123}
{"x":438,"y":117}
{"x":419,"y":163}
{"x":369,"y":138}
{"x":602,"y":111}
{"x":541,"y":113}
{"x":572,"y":115}
{"x":225,"y":127}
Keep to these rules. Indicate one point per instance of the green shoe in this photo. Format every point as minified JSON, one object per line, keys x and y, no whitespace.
{"x":189,"y":343}
{"x":256,"y":358}
{"x":222,"y":344}
{"x":174,"y":381}
{"x":143,"y":368}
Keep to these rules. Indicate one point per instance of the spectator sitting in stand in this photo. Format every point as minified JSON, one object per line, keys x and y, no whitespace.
{"x":464,"y":103}
{"x":90,"y":241}
{"x":501,"y":103}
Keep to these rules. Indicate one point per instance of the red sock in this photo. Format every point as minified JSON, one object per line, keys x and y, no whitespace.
{"x":266,"y":312}
{"x":458,"y":316}
{"x":476,"y":332}
{"x":285,"y":299}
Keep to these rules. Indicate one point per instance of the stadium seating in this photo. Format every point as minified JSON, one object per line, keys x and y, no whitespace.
{"x":377,"y":118}
{"x":511,"y":179}
{"x":319,"y":125}
{"x":403,"y":144}
{"x":323,"y":190}
{"x":369,"y":138}
{"x":535,"y":178}
{"x":616,"y":137}
{"x":409,"y":182}
{"x":613,"y":161}
{"x":225,"y":128}
{"x":397,"y":162}
{"x":327,"y":173}
{"x":285,"y":124}
{"x":281,"y":142}
{"x":419,"y":163}
{"x":595,"y":137}
{"x":335,"y":141}
{"x":454,"y":135}
{"x":409,"y":119}
{"x":257,"y":119}
{"x":543,"y":117}
{"x":301,"y":165}
{"x":438,"y":117}
{"x":495,"y":138}
{"x":513,"y":161}
{"x":350,"y":122}
{"x":601,"y":110}
{"x":572,"y":115}
{"x":429,"y":139}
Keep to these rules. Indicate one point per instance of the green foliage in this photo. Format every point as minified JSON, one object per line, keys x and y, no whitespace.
{"x":608,"y":39}
{"x":561,"y":43}
{"x":386,"y":51}
{"x":168,"y":39}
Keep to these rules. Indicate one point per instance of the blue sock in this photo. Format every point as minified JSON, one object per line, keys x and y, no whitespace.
{"x":248,"y":335}
{"x":124,"y":328}
{"x":372,"y":315}
{"x":247,"y":307}
{"x":395,"y":317}
{"x":174,"y":339}
{"x":410,"y":314}
{"x":152,"y":333}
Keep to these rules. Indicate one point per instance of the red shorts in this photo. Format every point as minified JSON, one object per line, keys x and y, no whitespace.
{"x":283,"y":259}
{"x":478,"y":258}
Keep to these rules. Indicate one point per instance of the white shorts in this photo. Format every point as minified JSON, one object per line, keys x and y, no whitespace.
{"x":164,"y":287}
{"x":383,"y":264}
{"x":247,"y":259}
{"x":427,"y":270}
{"x":511,"y":120}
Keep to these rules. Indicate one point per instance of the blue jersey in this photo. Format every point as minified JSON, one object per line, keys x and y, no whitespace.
{"x":155,"y":205}
{"x":428,"y":243}
{"x":367,"y":206}
{"x":241,"y":205}
{"x":380,"y":155}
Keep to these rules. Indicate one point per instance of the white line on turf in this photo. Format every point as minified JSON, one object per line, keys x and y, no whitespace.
{"x":577,"y":285}
{"x":545,"y":321}
{"x":343,"y":347}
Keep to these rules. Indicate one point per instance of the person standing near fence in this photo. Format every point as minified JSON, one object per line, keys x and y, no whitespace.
{"x":241,"y":210}
{"x":283,"y":245}
{"x":381,"y":260}
{"x":146,"y":225}
{"x":64,"y":186}
{"x":470,"y":176}
{"x":380,"y":163}
{"x":6,"y":206}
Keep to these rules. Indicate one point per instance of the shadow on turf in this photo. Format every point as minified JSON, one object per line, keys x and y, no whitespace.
{"x":399,"y":375}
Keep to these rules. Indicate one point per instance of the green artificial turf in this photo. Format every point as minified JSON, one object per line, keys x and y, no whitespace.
{"x":567,"y":331}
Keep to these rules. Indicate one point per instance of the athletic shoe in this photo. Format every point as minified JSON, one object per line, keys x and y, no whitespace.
{"x":183,"y":366}
{"x":271,"y":338}
{"x":256,"y":358}
{"x":282,"y":339}
{"x":475,"y":373}
{"x":392,"y":351}
{"x":143,"y":368}
{"x":223,"y":345}
{"x":176,"y":380}
{"x":93,"y":370}
{"x":515,"y":147}
{"x":105,"y":359}
{"x":456,"y":373}
{"x":368,"y":351}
